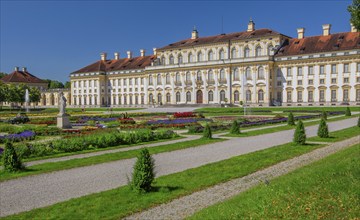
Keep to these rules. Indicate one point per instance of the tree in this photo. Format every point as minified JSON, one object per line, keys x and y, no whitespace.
{"x":3,"y":90}
{"x":11,"y":161}
{"x":358,"y":123}
{"x":2,"y":74}
{"x":34,"y":94}
{"x":347,"y":112}
{"x":54,"y":84}
{"x":67,"y":85}
{"x":235,"y":128}
{"x":323,"y":130}
{"x":143,"y":174}
{"x":207,"y":132}
{"x":299,"y":135}
{"x":324,"y":115}
{"x":291,"y":120}
{"x":354,"y":10}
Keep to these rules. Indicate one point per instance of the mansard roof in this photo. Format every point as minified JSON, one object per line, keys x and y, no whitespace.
{"x":319,"y":44}
{"x":21,"y":77}
{"x":221,"y":38}
{"x":116,"y":65}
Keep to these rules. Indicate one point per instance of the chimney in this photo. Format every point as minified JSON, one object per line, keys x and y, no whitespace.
{"x":353,"y":28}
{"x":251,"y":26}
{"x":142,"y":52}
{"x":194,"y":33}
{"x":16,"y":68}
{"x":24,"y":69}
{"x":326,"y":29}
{"x":301,"y":32}
{"x":154,"y":51}
{"x":129,"y":54}
{"x":116,"y":55}
{"x":103,"y":56}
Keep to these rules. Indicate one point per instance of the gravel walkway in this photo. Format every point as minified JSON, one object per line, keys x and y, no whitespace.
{"x":189,"y":205}
{"x":36,"y":191}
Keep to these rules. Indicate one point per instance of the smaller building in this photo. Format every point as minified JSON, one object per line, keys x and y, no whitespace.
{"x":50,"y":97}
{"x":24,"y":77}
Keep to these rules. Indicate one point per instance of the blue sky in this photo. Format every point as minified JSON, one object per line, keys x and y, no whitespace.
{"x":55,"y":38}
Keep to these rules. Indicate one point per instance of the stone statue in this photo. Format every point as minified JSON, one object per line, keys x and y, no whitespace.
{"x":63,"y":120}
{"x":62,"y":104}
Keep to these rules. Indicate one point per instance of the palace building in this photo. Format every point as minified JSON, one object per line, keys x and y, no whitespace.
{"x":254,"y":67}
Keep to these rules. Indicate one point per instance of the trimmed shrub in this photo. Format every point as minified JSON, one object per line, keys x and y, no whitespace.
{"x":324,"y":115}
{"x":11,"y":161}
{"x":235,"y":128}
{"x":299,"y":135}
{"x":347,"y":112}
{"x":323,"y":130}
{"x":358,"y":124}
{"x":143,"y":174}
{"x":207,"y":132}
{"x":291,"y":120}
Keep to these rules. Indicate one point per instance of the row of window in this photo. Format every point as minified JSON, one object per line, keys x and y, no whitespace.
{"x":333,"y":94}
{"x":321,"y":81}
{"x":334,"y":70}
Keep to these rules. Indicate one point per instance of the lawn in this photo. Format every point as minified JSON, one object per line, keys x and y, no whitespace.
{"x":120,"y":202}
{"x":327,"y":189}
{"x":338,"y":135}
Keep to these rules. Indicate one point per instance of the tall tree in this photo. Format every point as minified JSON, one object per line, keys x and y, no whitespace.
{"x":34,"y":94}
{"x":67,"y":85}
{"x":3,"y":88}
{"x":2,"y":74}
{"x":354,"y":10}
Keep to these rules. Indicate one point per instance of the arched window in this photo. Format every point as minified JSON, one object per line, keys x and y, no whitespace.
{"x":188,"y":76}
{"x":221,"y":54}
{"x":222,"y":96}
{"x":180,"y":59}
{"x":246,"y":52}
{"x":150,"y":80}
{"x":163,"y":60}
{"x":211,"y":96}
{"x":236,"y":96}
{"x":191,"y":58}
{"x":130,"y":99}
{"x":261,"y":95}
{"x":168,"y":97}
{"x":270,"y":49}
{"x":248,"y":73}
{"x":177,"y":77}
{"x":151,"y":98}
{"x":167,"y":78}
{"x":171,"y":59}
{"x":211,"y":55}
{"x":198,"y":76}
{"x":248,"y":95}
{"x":210,"y":75}
{"x":233,"y":53}
{"x":178,"y":97}
{"x":222,"y":75}
{"x":188,"y":97}
{"x":258,"y":51}
{"x":261,"y":73}
{"x":236,"y":75}
{"x":159,"y":97}
{"x":200,"y":57}
{"x":158,"y":79}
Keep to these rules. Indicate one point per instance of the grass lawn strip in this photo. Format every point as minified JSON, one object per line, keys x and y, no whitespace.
{"x":326,"y":189}
{"x":338,"y":135}
{"x":103,"y":205}
{"x":68,"y":164}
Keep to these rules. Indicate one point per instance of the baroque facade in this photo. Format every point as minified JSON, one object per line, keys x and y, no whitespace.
{"x":254,"y":67}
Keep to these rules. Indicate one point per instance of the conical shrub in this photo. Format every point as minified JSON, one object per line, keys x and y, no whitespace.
{"x":299,"y":135}
{"x":323,"y":130}
{"x":347,"y":112}
{"x":291,"y":120}
{"x":143,"y":174}
{"x":11,"y":161}
{"x":207,"y":132}
{"x":324,"y":115}
{"x":358,"y":124}
{"x":235,"y":128}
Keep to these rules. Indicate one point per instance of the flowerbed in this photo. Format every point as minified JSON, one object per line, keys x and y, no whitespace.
{"x":25,"y":135}
{"x":178,"y":121}
{"x":184,"y":115}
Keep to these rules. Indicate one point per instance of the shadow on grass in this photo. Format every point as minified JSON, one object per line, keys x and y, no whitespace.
{"x":164,"y":188}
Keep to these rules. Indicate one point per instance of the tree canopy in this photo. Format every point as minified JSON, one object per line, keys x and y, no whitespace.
{"x":354,"y":10}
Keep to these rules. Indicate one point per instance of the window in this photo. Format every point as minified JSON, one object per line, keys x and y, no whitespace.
{"x":188,"y":76}
{"x":222,"y":96}
{"x":211,"y":55}
{"x":358,"y":67}
{"x":258,"y":51}
{"x":236,"y":76}
{"x":130,"y":99}
{"x":246,"y":52}
{"x":178,"y":97}
{"x":346,"y":80}
{"x":289,"y":83}
{"x":210,"y":75}
{"x":310,"y":96}
{"x":236,"y":96}
{"x":279,"y":96}
{"x":346,"y":68}
{"x":299,"y":96}
{"x":333,"y":95}
{"x":180,"y":59}
{"x":167,"y":78}
{"x":322,"y":81}
{"x":136,"y":81}
{"x":188,"y":97}
{"x":288,"y":96}
{"x":211,"y":96}
{"x":163,"y":60}
{"x":322,"y":69}
{"x":233,"y":53}
{"x":171,"y":59}
{"x":311,"y":82}
{"x":248,"y":95}
{"x":222,"y":75}
{"x":299,"y":71}
{"x":150,"y":80}
{"x":358,"y":79}
{"x":198,"y":76}
{"x":191,"y":58}
{"x":221,"y":54}
{"x":158,"y":79}
{"x":177,"y":77}
{"x":322,"y":95}
{"x":333,"y":80}
{"x":159,"y":98}
{"x":248,"y":73}
{"x":136,"y":100}
{"x":125,"y":100}
{"x":299,"y":82}
{"x":333,"y":68}
{"x":345,"y":95}
{"x":261,"y":73}
{"x":168,"y":97}
{"x":200,"y":57}
{"x":279,"y":83}
{"x":358,"y":95}
{"x":270,"y":50}
{"x":151,"y":98}
{"x":289,"y":72}
{"x":311,"y":70}
{"x":279,"y":73}
{"x":261,"y":95}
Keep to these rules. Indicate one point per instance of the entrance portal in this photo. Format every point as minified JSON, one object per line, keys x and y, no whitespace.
{"x":199,"y":97}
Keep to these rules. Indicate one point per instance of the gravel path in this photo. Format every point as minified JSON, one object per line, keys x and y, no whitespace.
{"x":31,"y":192}
{"x":189,"y":205}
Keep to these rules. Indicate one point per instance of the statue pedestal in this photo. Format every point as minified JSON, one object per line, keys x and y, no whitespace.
{"x":63,"y":121}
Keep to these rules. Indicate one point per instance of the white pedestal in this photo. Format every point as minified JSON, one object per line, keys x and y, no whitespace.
{"x":63,"y":121}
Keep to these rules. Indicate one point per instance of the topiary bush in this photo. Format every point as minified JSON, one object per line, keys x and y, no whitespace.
{"x":207,"y":132}
{"x":143,"y":174}
{"x":11,"y":161}
{"x":291,"y":120}
{"x":358,"y":124}
{"x":235,"y":128}
{"x":324,"y":115}
{"x":347,"y":112}
{"x":323,"y":130}
{"x":299,"y":135}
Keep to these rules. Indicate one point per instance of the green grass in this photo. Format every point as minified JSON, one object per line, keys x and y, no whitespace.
{"x":277,"y":109}
{"x":56,"y":110}
{"x":120,"y":202}
{"x":338,"y":135}
{"x":327,"y":189}
{"x":50,"y":167}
